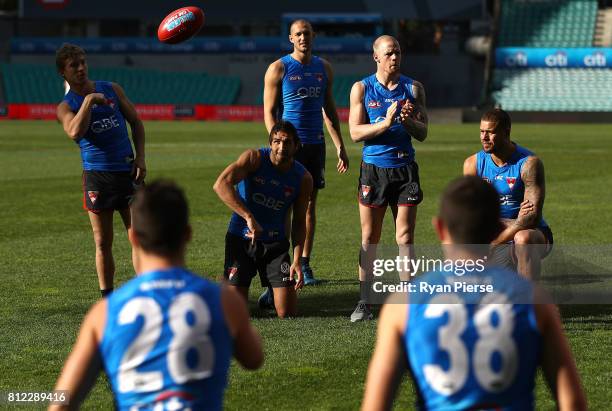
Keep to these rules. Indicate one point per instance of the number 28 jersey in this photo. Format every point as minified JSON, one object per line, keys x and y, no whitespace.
{"x":166,"y":345}
{"x":473,"y":350}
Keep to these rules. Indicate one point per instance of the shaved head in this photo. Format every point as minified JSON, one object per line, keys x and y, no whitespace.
{"x":300,"y":22}
{"x":383,"y":40}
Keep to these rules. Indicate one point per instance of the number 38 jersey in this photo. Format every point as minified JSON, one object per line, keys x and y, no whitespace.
{"x":166,"y":345}
{"x":473,"y":350}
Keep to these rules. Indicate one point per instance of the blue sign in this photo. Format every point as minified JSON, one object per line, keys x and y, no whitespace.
{"x":210,"y":45}
{"x":524,"y":57}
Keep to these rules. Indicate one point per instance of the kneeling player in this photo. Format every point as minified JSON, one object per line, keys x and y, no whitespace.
{"x":270,"y":183}
{"x":165,"y":338}
{"x":518,"y":176}
{"x":472,"y":350}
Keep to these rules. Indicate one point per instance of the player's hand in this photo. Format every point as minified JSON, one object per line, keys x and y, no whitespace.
{"x":343,"y":161}
{"x":296,"y":268}
{"x":410,"y":113}
{"x":527,"y":207}
{"x":97,"y":98}
{"x":390,"y":116}
{"x":255,"y":229}
{"x":139,"y":170}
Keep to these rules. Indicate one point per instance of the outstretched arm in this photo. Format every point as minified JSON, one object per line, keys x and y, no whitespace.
{"x":558,"y":363}
{"x":84,"y":363}
{"x":247,"y":163}
{"x":414,"y":116}
{"x":532,"y":175}
{"x":359,"y":126}
{"x":272,"y":90}
{"x":388,"y":363}
{"x":332,"y":123}
{"x":128,"y":110}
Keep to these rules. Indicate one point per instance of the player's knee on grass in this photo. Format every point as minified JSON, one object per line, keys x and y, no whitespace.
{"x":285,"y":302}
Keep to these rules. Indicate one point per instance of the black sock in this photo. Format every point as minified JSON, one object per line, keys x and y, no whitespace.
{"x":363,"y":291}
{"x":305,"y":261}
{"x":106,"y":292}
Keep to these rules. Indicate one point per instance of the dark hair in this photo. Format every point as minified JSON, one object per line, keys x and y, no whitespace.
{"x":302,"y":21}
{"x":499,"y":117}
{"x":286,"y":127}
{"x":65,"y":52}
{"x":160,"y":218}
{"x":470,"y":211}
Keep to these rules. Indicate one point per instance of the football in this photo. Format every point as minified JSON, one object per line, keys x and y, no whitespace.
{"x":180,"y":25}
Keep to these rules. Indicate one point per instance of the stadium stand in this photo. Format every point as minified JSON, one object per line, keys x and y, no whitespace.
{"x":550,"y":24}
{"x":545,"y":89}
{"x":41,"y":84}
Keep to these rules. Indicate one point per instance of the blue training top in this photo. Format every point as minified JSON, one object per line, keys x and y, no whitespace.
{"x":393,"y":148}
{"x":506,"y":180}
{"x":106,"y":145}
{"x":166,"y":343}
{"x":268,"y":194}
{"x":303,"y":88}
{"x":473,"y":350}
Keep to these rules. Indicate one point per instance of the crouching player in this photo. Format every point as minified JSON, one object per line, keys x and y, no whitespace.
{"x":166,"y":337}
{"x":270,"y":184}
{"x":468,"y":350}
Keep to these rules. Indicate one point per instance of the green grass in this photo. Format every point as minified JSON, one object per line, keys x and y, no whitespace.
{"x":316,"y":361}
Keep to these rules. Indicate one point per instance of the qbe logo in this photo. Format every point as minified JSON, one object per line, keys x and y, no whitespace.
{"x":104,"y":124}
{"x":304,"y":92}
{"x":268,"y":202}
{"x":558,"y":59}
{"x":518,"y":59}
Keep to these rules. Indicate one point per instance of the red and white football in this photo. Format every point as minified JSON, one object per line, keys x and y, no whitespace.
{"x":180,"y":25}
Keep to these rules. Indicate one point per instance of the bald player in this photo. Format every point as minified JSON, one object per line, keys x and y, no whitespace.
{"x":387,"y":112}
{"x":298,"y":88}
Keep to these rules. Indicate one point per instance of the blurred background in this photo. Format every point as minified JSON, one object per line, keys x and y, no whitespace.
{"x":543,"y":60}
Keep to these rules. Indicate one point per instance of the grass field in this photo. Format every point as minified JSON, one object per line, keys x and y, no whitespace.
{"x":316,"y":361}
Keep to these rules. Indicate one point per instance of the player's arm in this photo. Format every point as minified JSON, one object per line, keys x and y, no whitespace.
{"x":298,"y":227}
{"x":84,"y":363}
{"x":414,"y":116}
{"x":359,"y":127}
{"x":558,"y":363}
{"x":332,"y":123}
{"x":530,"y":215}
{"x":272,"y":90}
{"x":387,"y":364}
{"x":248,"y":349}
{"x":76,"y":125}
{"x":128,"y":110}
{"x":247,"y":163}
{"x":469,"y":166}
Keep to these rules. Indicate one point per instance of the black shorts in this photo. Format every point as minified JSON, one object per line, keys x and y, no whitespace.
{"x":379,"y":187}
{"x":243,"y":260}
{"x":312,"y":157}
{"x":104,"y":190}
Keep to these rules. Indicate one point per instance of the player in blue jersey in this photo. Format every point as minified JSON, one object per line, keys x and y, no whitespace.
{"x":298,"y":88}
{"x":94,"y":115}
{"x":272,"y":186}
{"x":471,"y":350}
{"x":165,"y":338}
{"x":387,"y":112}
{"x":518,"y":176}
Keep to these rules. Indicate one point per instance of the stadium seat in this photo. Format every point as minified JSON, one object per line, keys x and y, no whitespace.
{"x":41,"y":84}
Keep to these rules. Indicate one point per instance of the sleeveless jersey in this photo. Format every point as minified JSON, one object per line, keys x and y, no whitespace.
{"x":166,"y":344}
{"x":393,"y":148}
{"x":473,"y":350}
{"x":303,"y":96}
{"x":106,"y":145}
{"x":506,"y":180}
{"x":268,"y":194}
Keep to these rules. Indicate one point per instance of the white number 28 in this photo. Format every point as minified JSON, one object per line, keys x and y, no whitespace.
{"x":185,"y":337}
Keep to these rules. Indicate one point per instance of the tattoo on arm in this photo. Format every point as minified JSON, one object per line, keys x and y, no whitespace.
{"x":532,"y":175}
